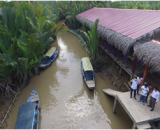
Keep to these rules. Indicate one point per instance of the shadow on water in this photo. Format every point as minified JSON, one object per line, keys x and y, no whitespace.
{"x":65,"y":100}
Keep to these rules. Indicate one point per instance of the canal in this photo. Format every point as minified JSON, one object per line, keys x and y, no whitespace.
{"x":65,"y":100}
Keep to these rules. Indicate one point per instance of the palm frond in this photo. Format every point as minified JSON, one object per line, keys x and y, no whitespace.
{"x":80,"y":38}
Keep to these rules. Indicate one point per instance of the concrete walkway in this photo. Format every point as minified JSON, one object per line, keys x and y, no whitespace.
{"x":140,"y":114}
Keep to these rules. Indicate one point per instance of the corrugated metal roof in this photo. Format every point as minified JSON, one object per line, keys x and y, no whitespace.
{"x":130,"y":23}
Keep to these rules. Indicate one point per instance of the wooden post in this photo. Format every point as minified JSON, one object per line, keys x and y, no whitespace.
{"x":115,"y":105}
{"x":115,"y":53}
{"x":145,"y":74}
{"x":134,"y":66}
{"x":158,"y":127}
{"x":1,"y":126}
{"x":2,"y":114}
{"x":120,"y":73}
{"x":102,"y":43}
{"x":134,"y":126}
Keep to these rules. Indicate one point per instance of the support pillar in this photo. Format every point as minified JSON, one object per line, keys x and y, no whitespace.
{"x":103,"y":44}
{"x":115,"y":105}
{"x":115,"y":53}
{"x":134,"y":66}
{"x":134,"y":126}
{"x":145,"y":74}
{"x":158,"y":127}
{"x":120,"y":73}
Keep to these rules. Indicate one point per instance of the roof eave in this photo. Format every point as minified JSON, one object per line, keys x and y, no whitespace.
{"x":118,"y":40}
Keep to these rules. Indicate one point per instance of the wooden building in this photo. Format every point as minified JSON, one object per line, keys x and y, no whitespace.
{"x":130,"y":35}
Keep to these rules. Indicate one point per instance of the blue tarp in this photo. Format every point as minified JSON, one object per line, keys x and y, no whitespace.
{"x":25,"y":117}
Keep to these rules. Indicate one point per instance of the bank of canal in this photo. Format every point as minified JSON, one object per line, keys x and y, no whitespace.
{"x":65,"y":100}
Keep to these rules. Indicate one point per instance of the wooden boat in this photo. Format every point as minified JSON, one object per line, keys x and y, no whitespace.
{"x":28,"y":114}
{"x":88,"y":73}
{"x":50,"y":56}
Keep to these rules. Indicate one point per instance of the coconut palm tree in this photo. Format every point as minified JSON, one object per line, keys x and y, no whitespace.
{"x":90,"y":39}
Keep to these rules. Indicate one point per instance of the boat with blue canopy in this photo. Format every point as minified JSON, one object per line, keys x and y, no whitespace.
{"x":28,"y":114}
{"x":88,"y":72}
{"x":50,"y":56}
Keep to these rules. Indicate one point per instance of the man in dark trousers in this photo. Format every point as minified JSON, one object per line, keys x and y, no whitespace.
{"x":144,"y":91}
{"x":139,"y":79}
{"x":154,"y":98}
{"x":134,"y":87}
{"x":150,"y":89}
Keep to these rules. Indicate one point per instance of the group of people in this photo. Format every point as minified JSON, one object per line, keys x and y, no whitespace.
{"x":146,"y":89}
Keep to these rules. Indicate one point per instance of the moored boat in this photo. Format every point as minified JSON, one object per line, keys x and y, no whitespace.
{"x":28,"y":114}
{"x":50,"y":56}
{"x":88,"y":73}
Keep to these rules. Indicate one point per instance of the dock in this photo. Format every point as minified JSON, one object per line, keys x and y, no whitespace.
{"x":140,"y":114}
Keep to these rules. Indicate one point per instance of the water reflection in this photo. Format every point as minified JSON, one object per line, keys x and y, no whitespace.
{"x":65,"y":100}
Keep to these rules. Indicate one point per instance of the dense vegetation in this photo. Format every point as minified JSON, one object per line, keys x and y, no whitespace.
{"x":26,"y":32}
{"x":147,"y":5}
{"x":28,"y":28}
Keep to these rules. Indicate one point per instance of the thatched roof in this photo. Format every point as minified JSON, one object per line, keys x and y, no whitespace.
{"x":118,"y":40}
{"x":123,"y":28}
{"x":150,"y":52}
{"x":128,"y":29}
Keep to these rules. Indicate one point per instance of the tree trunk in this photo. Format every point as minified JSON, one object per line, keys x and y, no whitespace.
{"x":36,"y":70}
{"x":25,"y":78}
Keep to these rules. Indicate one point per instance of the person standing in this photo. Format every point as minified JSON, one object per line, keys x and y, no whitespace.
{"x":150,"y":89}
{"x":144,"y":91}
{"x":139,"y":79}
{"x":154,"y":98}
{"x":133,"y":87}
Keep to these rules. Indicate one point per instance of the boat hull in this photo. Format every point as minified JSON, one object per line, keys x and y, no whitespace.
{"x":48,"y":61}
{"x":90,"y":84}
{"x":28,"y":115}
{"x":88,"y":77}
{"x":34,"y":97}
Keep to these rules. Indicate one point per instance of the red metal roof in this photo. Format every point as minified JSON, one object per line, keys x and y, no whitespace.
{"x":128,"y":22}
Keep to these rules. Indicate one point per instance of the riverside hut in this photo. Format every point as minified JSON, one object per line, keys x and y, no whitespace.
{"x":133,"y":34}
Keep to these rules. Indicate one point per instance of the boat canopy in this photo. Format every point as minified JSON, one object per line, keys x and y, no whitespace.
{"x":25,"y":119}
{"x":50,"y":52}
{"x":87,"y":64}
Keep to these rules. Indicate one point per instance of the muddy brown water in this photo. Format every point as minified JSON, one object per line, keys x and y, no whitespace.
{"x":65,"y":100}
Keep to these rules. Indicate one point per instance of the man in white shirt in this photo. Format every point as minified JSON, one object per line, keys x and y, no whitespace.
{"x":139,"y":79}
{"x":154,"y":98}
{"x":144,"y":91}
{"x":133,"y":87}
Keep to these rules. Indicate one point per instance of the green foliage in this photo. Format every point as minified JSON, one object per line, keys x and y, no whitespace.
{"x":67,"y":10}
{"x":115,"y":4}
{"x":89,"y":39}
{"x":1,"y":4}
{"x":147,"y":5}
{"x":94,"y":39}
{"x":80,"y":38}
{"x":26,"y":31}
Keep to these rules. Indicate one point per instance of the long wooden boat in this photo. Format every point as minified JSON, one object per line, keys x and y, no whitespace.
{"x":50,"y":56}
{"x":28,"y":114}
{"x":88,"y":73}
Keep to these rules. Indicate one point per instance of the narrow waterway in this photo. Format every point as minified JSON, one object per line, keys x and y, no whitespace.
{"x":65,"y":100}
